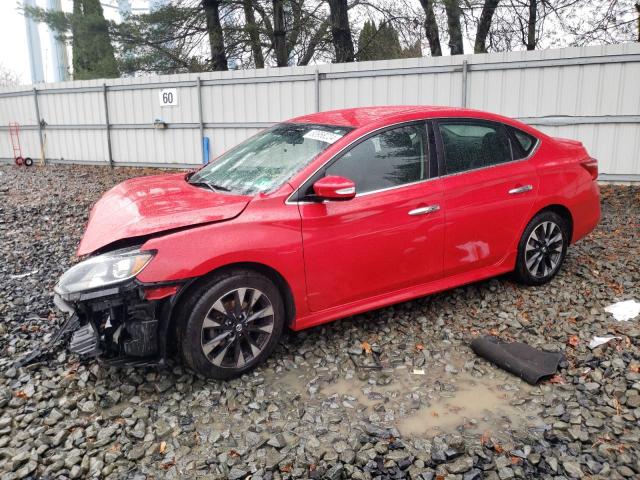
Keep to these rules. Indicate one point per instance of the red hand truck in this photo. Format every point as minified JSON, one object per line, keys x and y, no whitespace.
{"x":14,"y":133}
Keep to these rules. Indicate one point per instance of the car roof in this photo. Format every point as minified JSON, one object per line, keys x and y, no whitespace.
{"x":363,"y":116}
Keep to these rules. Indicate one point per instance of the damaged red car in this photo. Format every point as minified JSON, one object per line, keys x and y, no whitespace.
{"x":317,"y":218}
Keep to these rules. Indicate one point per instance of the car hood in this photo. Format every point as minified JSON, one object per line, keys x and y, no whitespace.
{"x":147,"y":205}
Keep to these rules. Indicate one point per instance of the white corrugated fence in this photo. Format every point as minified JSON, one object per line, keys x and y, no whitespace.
{"x":591,"y":94}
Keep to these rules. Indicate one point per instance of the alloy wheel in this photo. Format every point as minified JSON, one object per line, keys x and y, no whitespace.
{"x":543,"y":250}
{"x":237,"y":327}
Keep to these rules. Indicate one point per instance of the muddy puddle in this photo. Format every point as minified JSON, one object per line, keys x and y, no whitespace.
{"x":420,"y":405}
{"x":288,"y":381}
{"x":424,"y":406}
{"x":475,"y":406}
{"x":357,"y":392}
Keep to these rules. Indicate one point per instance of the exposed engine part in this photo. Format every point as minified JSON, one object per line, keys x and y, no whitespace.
{"x":85,"y":341}
{"x":118,"y":327}
{"x":143,"y":338}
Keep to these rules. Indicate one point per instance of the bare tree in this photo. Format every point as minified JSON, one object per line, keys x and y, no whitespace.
{"x":531,"y":25}
{"x":341,"y":30}
{"x":454,"y":12}
{"x":279,"y":34}
{"x":294,"y":31}
{"x":431,"y":28}
{"x":200,"y":35}
{"x":316,"y":42}
{"x":216,"y":35}
{"x":8,"y":78}
{"x":484,"y":24}
{"x":638,"y":10}
{"x":253,"y":33}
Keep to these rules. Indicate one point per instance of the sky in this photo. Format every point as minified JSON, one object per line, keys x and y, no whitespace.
{"x":13,"y":40}
{"x":14,"y":53}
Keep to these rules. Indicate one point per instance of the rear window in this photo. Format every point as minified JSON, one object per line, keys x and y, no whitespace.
{"x":525,"y":141}
{"x":472,"y":144}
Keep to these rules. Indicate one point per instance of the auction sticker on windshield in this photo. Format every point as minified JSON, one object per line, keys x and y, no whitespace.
{"x":323,"y":136}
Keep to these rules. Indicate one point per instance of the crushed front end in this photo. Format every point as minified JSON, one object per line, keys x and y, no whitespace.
{"x":119,"y":320}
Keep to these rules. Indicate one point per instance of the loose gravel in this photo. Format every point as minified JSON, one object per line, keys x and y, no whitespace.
{"x":434,"y":409}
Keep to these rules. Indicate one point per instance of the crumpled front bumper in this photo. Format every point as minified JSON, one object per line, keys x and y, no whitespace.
{"x":119,"y":325}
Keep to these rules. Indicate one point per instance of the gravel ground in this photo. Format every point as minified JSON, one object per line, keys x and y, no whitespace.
{"x":310,"y":412}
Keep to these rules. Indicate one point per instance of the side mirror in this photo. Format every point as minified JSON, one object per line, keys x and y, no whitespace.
{"x":334,"y":188}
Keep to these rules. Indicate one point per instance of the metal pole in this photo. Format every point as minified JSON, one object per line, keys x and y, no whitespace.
{"x":316,"y":80}
{"x":465,"y":70}
{"x":107,"y":124}
{"x":200,"y":119}
{"x":43,"y":158}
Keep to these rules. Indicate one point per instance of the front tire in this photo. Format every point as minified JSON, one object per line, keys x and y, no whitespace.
{"x":232,"y":323}
{"x":542,"y":248}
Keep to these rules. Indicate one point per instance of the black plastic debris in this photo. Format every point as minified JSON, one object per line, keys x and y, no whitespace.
{"x":42,"y":351}
{"x":518,"y":358}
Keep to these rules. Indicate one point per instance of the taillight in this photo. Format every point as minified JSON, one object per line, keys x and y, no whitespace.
{"x":591,"y":166}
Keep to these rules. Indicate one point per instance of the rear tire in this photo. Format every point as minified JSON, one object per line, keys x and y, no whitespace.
{"x":28,"y":162}
{"x":231,"y":324}
{"x":542,"y":249}
{"x":19,"y":161}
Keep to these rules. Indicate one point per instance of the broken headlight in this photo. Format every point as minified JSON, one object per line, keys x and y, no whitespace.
{"x":103,"y":270}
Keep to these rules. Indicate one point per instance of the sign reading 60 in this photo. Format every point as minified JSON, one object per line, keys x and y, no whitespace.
{"x":168,"y":97}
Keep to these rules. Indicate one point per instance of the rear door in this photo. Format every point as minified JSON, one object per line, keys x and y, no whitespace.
{"x":389,"y":236}
{"x":489,"y":191}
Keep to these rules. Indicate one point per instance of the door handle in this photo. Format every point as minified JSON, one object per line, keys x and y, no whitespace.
{"x":424,"y":210}
{"x":522,"y":189}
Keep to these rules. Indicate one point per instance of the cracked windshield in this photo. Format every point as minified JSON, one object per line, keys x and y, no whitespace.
{"x":267,"y":160}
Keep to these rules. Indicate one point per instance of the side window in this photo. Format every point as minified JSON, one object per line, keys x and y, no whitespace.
{"x":525,"y":142}
{"x":392,"y":158}
{"x":471,"y":145}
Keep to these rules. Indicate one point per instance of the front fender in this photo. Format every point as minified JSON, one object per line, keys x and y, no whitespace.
{"x":267,"y":233}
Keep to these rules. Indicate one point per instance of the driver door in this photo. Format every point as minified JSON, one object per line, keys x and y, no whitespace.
{"x":389,"y":236}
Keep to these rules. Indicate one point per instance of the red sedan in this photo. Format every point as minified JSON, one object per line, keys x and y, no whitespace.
{"x":318,"y":218}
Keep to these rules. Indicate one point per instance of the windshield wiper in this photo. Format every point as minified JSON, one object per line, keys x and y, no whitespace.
{"x":219,"y":187}
{"x":210,"y":186}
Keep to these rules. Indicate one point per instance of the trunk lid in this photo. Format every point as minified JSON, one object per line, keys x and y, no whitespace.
{"x":574,"y":149}
{"x":147,"y":205}
{"x":568,"y":142}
